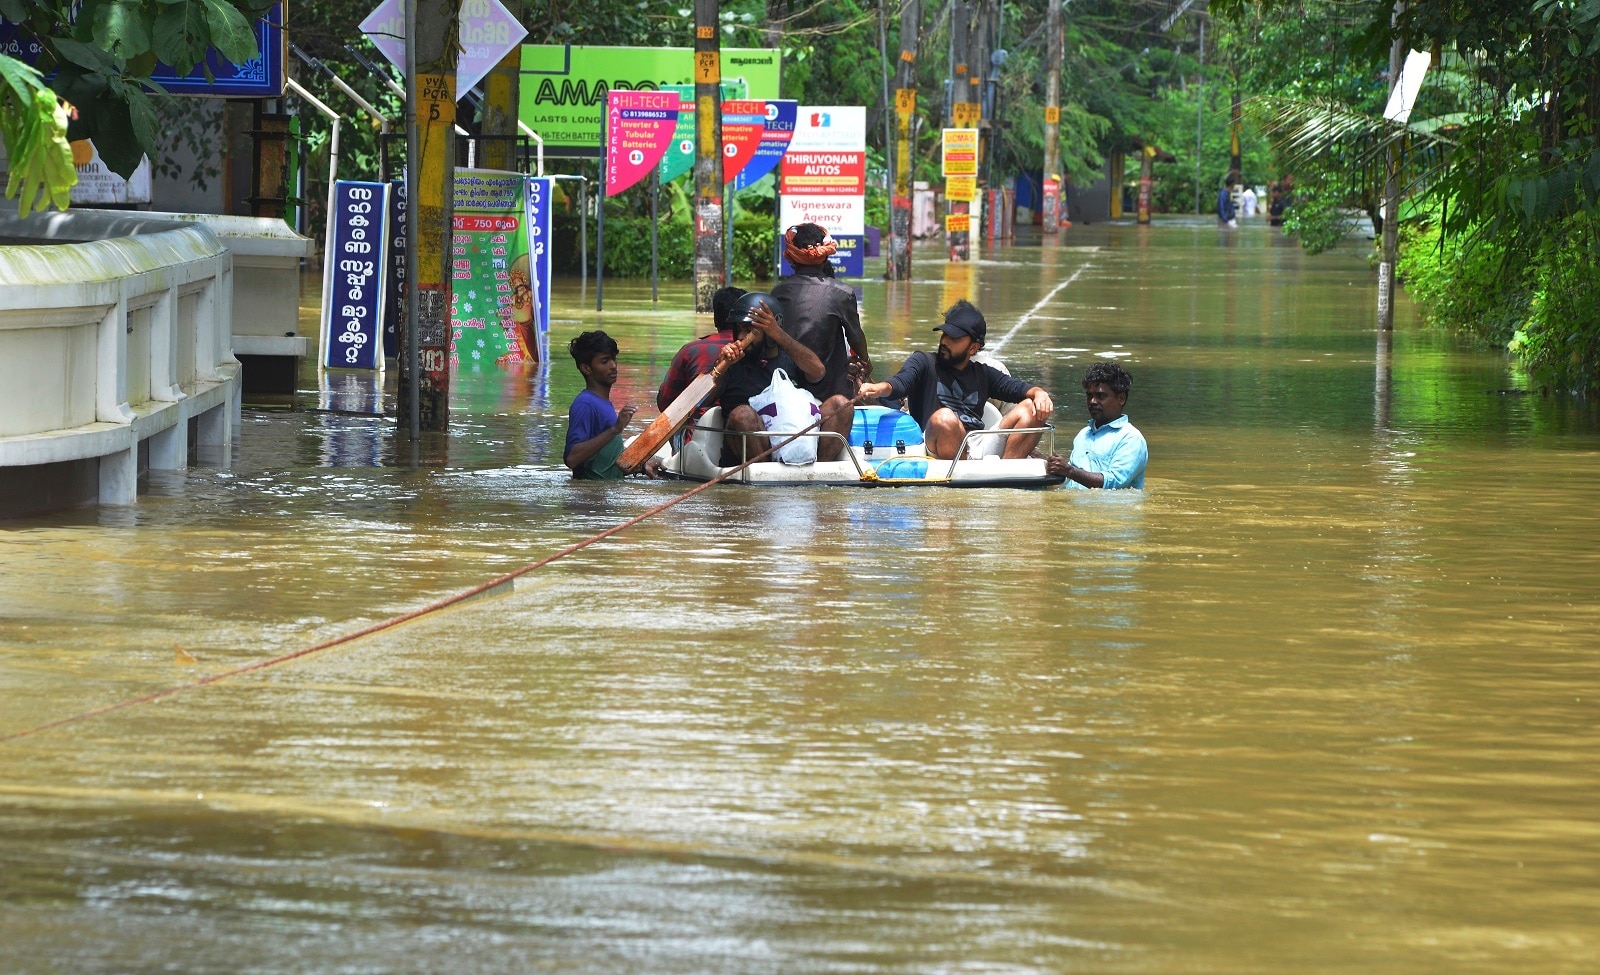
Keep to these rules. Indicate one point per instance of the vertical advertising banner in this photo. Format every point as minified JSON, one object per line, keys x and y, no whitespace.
{"x":639,"y":129}
{"x":353,"y":277}
{"x":744,"y":121}
{"x":540,"y":205}
{"x":776,"y":135}
{"x":491,"y":287}
{"x":679,"y":158}
{"x":394,"y":293}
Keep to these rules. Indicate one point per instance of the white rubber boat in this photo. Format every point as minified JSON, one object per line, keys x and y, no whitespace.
{"x":886,"y":450}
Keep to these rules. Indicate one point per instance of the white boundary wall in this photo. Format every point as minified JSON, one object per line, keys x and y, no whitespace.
{"x":113,"y":342}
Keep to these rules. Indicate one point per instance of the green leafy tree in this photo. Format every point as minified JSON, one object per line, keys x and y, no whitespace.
{"x":33,"y":123}
{"x":101,"y":54}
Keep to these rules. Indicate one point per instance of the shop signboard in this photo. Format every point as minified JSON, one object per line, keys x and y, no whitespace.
{"x":564,"y":87}
{"x":822,"y":178}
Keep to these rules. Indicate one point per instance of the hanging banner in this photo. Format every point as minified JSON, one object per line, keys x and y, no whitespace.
{"x":540,"y":194}
{"x":394,"y":303}
{"x":353,"y":277}
{"x":491,"y":298}
{"x":775,"y":138}
{"x":743,"y":122}
{"x":564,"y":87}
{"x":639,"y":128}
{"x":679,"y":158}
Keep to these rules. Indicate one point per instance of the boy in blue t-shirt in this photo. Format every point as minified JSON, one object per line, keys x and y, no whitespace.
{"x":594,"y":426}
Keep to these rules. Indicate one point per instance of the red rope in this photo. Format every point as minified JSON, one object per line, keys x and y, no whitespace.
{"x":392,"y":622}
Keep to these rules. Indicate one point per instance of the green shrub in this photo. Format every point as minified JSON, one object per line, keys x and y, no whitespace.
{"x":1539,"y":304}
{"x":627,"y":240}
{"x":1561,"y":335}
{"x":1460,"y":284}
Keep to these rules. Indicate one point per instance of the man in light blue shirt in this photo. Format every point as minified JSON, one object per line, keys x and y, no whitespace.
{"x":1110,"y":452}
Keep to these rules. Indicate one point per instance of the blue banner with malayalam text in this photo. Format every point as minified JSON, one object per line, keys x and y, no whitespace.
{"x":353,"y":276}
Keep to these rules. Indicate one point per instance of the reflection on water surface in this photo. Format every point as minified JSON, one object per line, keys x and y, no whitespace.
{"x":1321,"y":699}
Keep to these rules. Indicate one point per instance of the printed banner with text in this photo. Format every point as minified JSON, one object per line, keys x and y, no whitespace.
{"x":563,"y":89}
{"x":775,"y":138}
{"x":822,"y":178}
{"x":492,"y":303}
{"x":639,"y":129}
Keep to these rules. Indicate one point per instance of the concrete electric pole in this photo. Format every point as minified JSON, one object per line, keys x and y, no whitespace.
{"x":708,"y":216}
{"x":1051,"y":211}
{"x":431,"y":53}
{"x":905,"y":107}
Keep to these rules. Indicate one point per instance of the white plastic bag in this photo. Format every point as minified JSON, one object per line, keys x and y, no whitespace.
{"x":787,"y":409}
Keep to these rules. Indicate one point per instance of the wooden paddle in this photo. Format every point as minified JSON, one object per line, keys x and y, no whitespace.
{"x":677,"y":413}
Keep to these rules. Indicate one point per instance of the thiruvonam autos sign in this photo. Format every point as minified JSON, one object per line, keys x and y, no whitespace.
{"x":564,"y":88}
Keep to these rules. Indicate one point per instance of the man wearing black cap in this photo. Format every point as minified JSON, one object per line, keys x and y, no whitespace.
{"x":946,"y":393}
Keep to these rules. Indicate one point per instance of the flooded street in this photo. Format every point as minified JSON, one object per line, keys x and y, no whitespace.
{"x":1324,"y":698}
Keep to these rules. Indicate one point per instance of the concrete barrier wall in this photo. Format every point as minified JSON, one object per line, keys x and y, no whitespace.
{"x":115,"y":332}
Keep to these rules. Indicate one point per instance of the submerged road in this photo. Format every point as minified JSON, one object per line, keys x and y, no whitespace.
{"x":1322,"y":699}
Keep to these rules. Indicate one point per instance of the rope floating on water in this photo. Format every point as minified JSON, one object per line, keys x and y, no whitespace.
{"x":492,"y":587}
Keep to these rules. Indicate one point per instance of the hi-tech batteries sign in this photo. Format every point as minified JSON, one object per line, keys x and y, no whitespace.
{"x":639,"y":127}
{"x":564,"y":88}
{"x":823,"y":175}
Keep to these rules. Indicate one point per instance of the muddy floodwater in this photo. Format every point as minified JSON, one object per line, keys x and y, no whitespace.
{"x":1325,"y":698}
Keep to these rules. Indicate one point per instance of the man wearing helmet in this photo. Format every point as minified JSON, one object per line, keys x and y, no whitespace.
{"x":750,"y":373}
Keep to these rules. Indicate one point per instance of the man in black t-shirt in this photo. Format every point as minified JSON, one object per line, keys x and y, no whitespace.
{"x":946,"y":392}
{"x":750,"y":373}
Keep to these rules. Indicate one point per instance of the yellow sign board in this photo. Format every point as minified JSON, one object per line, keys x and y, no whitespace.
{"x":961,"y":189}
{"x":905,"y":101}
{"x":957,"y":223}
{"x":707,"y":68}
{"x":960,"y":152}
{"x":965,"y":115}
{"x":1052,"y":115}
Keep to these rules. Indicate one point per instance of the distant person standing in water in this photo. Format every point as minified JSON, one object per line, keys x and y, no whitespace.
{"x":1247,"y":203}
{"x":1109,"y":452}
{"x":1225,"y":204}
